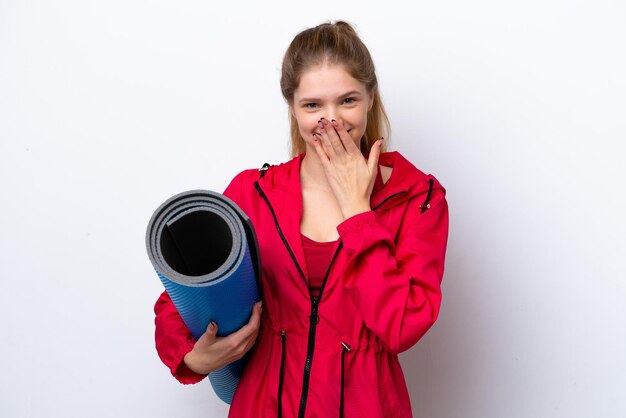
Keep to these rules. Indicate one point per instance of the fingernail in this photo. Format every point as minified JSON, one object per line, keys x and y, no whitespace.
{"x":212,"y":326}
{"x":321,"y":124}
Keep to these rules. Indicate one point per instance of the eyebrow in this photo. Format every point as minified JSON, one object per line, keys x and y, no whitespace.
{"x":313,"y":99}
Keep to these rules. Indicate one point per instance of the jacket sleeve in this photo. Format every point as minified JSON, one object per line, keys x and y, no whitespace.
{"x":173,"y":340}
{"x":395,"y":284}
{"x":172,"y":337}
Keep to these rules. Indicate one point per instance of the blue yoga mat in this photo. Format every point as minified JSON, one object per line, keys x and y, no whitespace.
{"x":204,"y":250}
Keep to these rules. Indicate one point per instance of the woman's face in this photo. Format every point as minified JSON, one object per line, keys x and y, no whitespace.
{"x":329,"y":91}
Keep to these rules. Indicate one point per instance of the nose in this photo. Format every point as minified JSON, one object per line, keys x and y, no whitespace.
{"x":332,"y":112}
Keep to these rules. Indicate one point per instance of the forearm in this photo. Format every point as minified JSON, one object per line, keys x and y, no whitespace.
{"x":173,"y":340}
{"x":396,"y":283}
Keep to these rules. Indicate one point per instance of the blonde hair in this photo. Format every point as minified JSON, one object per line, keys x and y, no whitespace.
{"x":334,"y":43}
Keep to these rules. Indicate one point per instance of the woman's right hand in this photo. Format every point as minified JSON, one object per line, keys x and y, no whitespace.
{"x":211,"y":352}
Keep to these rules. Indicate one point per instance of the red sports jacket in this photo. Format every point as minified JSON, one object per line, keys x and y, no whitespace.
{"x":338,"y":356}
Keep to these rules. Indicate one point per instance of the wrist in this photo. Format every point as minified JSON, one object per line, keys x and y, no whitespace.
{"x":350,"y":210}
{"x":194,"y":364}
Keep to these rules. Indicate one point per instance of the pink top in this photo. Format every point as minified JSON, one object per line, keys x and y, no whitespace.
{"x":318,"y":256}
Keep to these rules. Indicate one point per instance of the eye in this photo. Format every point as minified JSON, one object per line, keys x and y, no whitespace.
{"x":310,"y":105}
{"x":349,"y":100}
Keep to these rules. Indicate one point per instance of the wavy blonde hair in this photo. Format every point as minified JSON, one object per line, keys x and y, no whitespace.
{"x":334,"y":43}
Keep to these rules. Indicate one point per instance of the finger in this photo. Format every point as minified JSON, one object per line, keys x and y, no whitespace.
{"x":372,"y":161}
{"x":333,"y":136}
{"x":244,"y":346}
{"x":326,"y":142}
{"x":250,"y":339}
{"x":250,"y":342}
{"x":210,"y":334}
{"x":345,"y":137}
{"x":246,"y":343}
{"x":257,"y":309}
{"x":242,"y":340}
{"x":319,"y":148}
{"x":252,"y":326}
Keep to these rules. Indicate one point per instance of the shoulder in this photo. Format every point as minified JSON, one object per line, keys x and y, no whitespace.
{"x":241,"y":180}
{"x":248,"y":173}
{"x":266,"y":173}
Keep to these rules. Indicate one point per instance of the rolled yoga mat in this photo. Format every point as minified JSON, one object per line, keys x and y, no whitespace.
{"x":204,"y":250}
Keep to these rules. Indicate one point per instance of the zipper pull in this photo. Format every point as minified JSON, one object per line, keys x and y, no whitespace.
{"x":314,"y":317}
{"x":346,"y":347}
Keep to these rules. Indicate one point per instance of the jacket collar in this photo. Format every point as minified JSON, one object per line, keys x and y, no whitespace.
{"x":281,"y":185}
{"x":405,"y":177}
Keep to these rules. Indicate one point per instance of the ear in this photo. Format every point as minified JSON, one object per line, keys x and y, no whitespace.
{"x":371,"y":101}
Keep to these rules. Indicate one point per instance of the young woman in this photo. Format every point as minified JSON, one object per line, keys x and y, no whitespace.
{"x":352,"y":242}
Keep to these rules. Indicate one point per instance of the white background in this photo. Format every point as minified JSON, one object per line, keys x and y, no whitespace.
{"x":109,"y":108}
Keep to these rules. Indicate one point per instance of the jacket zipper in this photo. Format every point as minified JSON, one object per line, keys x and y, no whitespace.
{"x":313,"y":318}
{"x":387,"y":198}
{"x":344,"y":350}
{"x":280,"y":231}
{"x":283,"y":335}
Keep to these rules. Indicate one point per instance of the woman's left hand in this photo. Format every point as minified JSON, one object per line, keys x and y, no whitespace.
{"x":350,"y":175}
